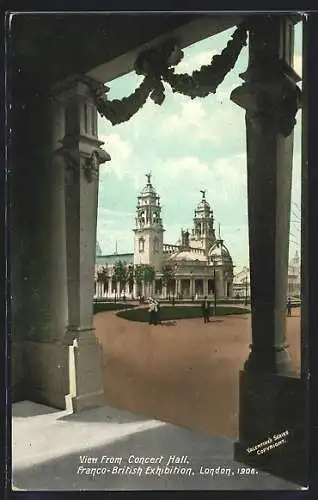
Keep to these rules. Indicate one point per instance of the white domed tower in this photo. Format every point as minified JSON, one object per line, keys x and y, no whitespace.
{"x":148,"y":245}
{"x":219,"y":257}
{"x":203,"y":233}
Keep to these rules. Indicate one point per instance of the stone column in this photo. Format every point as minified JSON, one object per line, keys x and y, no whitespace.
{"x":218,"y":284}
{"x":205,"y":287}
{"x":37,"y":249}
{"x":82,"y":156}
{"x":271,"y":401}
{"x":269,"y":139}
{"x":109,"y":287}
{"x":230,"y":289}
{"x":177,"y":291}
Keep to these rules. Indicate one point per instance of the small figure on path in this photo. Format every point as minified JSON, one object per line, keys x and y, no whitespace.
{"x":289,"y":306}
{"x":157,"y":311}
{"x":206,"y":310}
{"x":152,"y":313}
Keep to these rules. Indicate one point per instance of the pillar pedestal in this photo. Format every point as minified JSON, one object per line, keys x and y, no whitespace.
{"x":85,"y":371}
{"x":82,"y":154}
{"x":273,"y":401}
{"x":273,"y":425}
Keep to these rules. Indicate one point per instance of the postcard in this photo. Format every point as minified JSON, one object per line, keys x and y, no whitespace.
{"x":156,"y":282}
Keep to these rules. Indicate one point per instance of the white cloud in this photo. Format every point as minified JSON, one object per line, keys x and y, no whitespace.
{"x":192,"y":119}
{"x":120,"y":152}
{"x":189,"y":64}
{"x":215,"y":120}
{"x":225,"y":178}
{"x":180,"y":167}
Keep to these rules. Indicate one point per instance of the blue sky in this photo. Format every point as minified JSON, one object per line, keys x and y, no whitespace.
{"x":188,"y":145}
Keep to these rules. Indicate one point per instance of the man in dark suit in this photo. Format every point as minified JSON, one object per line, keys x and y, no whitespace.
{"x":289,"y":306}
{"x":205,"y":306}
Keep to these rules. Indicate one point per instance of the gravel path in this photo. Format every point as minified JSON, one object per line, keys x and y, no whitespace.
{"x":183,"y":372}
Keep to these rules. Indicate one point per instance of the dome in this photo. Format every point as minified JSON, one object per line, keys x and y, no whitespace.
{"x":203,"y":205}
{"x":188,"y":256}
{"x":219,"y":252}
{"x":148,"y":190}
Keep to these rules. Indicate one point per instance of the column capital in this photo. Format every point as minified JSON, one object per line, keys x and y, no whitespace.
{"x":88,"y":161}
{"x":270,"y":94}
{"x":80,"y":85}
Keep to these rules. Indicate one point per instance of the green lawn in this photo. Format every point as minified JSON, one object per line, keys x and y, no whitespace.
{"x":178,"y":312}
{"x":110,"y":306}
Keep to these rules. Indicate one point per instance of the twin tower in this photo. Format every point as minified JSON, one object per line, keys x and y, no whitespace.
{"x":149,"y":247}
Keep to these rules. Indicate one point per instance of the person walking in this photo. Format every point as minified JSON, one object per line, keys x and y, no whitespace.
{"x":205,"y":310}
{"x":151,"y":310}
{"x":156,"y":311}
{"x":289,"y":306}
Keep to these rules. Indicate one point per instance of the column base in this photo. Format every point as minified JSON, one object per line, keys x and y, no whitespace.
{"x":273,"y":425}
{"x":275,"y":360}
{"x":85,"y":401}
{"x":86,"y":373}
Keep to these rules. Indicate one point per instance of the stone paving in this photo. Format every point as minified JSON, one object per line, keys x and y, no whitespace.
{"x":183,"y":372}
{"x":56,"y":450}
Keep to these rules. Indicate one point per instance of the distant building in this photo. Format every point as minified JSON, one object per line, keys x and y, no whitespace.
{"x":241,"y":284}
{"x":241,"y":280}
{"x":294,"y":277}
{"x":200,"y":262}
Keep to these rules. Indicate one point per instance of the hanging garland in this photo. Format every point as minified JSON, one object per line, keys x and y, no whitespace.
{"x":120,"y":110}
{"x":206,"y":80}
{"x":156,"y":65}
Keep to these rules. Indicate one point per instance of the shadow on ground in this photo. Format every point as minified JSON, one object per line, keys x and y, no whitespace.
{"x":25,"y":409}
{"x":110,"y":415}
{"x":198,"y":449}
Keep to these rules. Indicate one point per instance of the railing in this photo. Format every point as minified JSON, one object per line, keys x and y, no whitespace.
{"x":175,"y":248}
{"x":170,"y":248}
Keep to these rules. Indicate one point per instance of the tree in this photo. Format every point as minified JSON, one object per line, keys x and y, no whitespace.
{"x":144,"y":273}
{"x":149,"y":275}
{"x":130,"y":277}
{"x":120,"y":274}
{"x":103,"y":276}
{"x":168,"y":277}
{"x":139,"y":275}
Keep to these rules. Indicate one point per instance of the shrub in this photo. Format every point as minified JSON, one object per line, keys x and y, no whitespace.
{"x":178,"y":312}
{"x":99,"y":306}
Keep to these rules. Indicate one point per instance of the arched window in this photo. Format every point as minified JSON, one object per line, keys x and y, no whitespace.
{"x":156,"y":245}
{"x":141,"y":244}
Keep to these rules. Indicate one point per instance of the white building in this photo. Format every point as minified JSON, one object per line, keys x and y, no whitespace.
{"x":241,"y":284}
{"x":200,"y":262}
{"x":294,"y":277}
{"x":241,"y":280}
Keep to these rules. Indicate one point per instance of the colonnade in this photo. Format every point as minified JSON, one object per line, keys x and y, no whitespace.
{"x":185,"y":287}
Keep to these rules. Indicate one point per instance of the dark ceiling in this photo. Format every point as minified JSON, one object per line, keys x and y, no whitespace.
{"x":47,"y":48}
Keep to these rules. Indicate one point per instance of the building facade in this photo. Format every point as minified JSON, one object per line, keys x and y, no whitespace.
{"x":200,"y":264}
{"x":242,"y":282}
